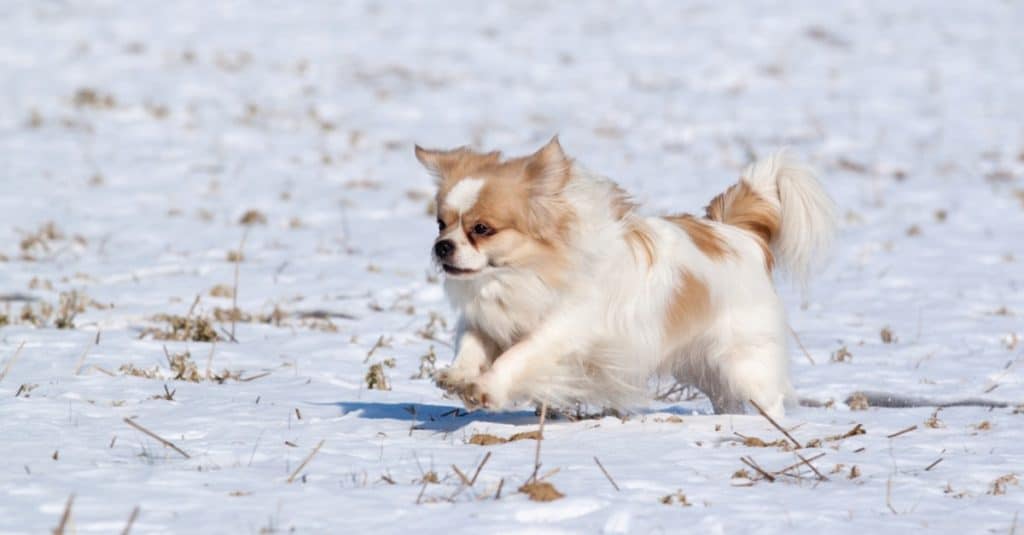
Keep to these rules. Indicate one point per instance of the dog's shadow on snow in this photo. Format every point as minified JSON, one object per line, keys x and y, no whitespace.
{"x":449,"y":418}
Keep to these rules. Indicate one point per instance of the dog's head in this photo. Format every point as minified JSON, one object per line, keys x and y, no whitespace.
{"x":495,"y":213}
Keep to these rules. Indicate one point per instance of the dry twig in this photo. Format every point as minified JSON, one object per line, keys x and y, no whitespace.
{"x":902,"y":432}
{"x":131,"y":521}
{"x":10,"y":361}
{"x":62,"y":526}
{"x":465,"y":480}
{"x":801,"y":344}
{"x":479,"y":468}
{"x":540,"y":438}
{"x":802,"y":462}
{"x":234,"y":288}
{"x":305,"y":461}
{"x":888,"y":496}
{"x":157,"y":437}
{"x":811,"y":466}
{"x":81,"y":360}
{"x":750,"y":462}
{"x":774,"y":423}
{"x":606,"y":474}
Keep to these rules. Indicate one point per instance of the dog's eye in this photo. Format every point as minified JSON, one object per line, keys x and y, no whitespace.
{"x":482,"y":229}
{"x":440,"y":225}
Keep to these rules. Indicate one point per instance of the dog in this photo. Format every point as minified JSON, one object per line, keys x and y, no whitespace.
{"x":567,"y":295}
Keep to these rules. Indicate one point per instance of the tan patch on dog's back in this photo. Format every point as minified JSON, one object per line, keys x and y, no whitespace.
{"x":702,"y":234}
{"x":742,"y":207}
{"x":689,"y":309}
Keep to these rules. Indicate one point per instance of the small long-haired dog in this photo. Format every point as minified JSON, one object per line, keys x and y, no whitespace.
{"x":567,"y":295}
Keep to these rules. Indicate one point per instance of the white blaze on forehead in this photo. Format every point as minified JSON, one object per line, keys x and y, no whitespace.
{"x":463,"y":195}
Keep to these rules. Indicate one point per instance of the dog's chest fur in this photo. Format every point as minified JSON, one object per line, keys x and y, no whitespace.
{"x":505,"y":307}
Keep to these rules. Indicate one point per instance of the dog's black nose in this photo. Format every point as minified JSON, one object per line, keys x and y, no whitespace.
{"x":443,"y":249}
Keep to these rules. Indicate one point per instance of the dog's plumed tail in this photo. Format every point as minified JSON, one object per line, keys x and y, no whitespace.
{"x":780,"y":202}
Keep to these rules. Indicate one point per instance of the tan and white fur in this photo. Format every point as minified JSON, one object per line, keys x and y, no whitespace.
{"x":567,"y":295}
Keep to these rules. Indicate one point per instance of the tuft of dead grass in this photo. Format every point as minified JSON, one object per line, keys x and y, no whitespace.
{"x":227,"y":315}
{"x":428,"y":365}
{"x":167,"y":395}
{"x":69,"y":305}
{"x":999,"y":486}
{"x":253,"y":217}
{"x":742,"y":473}
{"x":755,"y":442}
{"x":677,"y":498}
{"x":541,"y":491}
{"x":180,"y":367}
{"x":182,"y":328}
{"x":1019,"y":193}
{"x":933,"y":421}
{"x":40,"y":284}
{"x":526,"y":435}
{"x":375,"y":377}
{"x":278,"y":317}
{"x":35,"y":119}
{"x":428,"y":477}
{"x":887,"y":336}
{"x":858,"y":402}
{"x":817,"y":442}
{"x":435,"y":323}
{"x":87,"y":97}
{"x":135,"y":371}
{"x":841,"y":355}
{"x":222,"y":290}
{"x":486,"y":439}
{"x":44,"y":241}
{"x":183,"y":367}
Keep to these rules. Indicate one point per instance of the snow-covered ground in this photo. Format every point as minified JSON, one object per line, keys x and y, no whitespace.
{"x":135,"y":136}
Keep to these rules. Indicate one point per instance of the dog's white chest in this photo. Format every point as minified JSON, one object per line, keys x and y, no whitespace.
{"x":506,"y":310}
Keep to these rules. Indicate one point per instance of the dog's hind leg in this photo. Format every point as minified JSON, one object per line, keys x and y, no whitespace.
{"x":746,"y":372}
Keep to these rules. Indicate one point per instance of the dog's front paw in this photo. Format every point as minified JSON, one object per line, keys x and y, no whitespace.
{"x":484,"y":393}
{"x":452,"y":380}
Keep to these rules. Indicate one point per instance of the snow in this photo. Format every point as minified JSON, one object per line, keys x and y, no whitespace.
{"x":308,"y":112}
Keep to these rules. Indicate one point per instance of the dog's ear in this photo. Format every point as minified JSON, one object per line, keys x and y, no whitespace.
{"x":547,"y":170}
{"x":456,"y":163}
{"x":432,"y":160}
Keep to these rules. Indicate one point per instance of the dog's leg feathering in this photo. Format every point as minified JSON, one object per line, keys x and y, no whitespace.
{"x":745,"y":372}
{"x":474,"y":352}
{"x":525,"y":365}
